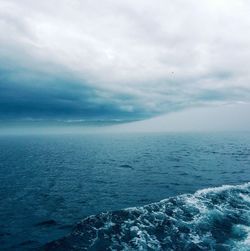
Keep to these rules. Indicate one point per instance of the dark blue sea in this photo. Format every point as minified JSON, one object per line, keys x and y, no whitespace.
{"x":173,"y":191}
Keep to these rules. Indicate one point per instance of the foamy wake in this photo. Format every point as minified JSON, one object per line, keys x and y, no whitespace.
{"x":210,"y":219}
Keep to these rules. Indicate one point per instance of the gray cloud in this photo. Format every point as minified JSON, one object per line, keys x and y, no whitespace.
{"x":124,"y":59}
{"x":33,"y":95}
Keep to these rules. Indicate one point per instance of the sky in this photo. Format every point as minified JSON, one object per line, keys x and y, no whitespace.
{"x":123,"y":60}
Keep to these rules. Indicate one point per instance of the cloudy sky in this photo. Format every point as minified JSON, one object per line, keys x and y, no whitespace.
{"x":121,"y":59}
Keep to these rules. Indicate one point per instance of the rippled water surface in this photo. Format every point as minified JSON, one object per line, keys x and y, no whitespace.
{"x":210,"y":219}
{"x":50,"y":182}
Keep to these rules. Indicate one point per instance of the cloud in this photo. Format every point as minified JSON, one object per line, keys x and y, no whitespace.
{"x":131,"y":59}
{"x":33,"y":95}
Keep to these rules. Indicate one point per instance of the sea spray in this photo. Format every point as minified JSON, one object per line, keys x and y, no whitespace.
{"x":210,"y":219}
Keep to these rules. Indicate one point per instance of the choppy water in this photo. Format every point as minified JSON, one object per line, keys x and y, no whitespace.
{"x":210,"y":219}
{"x":48,"y":183}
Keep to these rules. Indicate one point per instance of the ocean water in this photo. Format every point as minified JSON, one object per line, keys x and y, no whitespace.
{"x":210,"y":219}
{"x":48,"y":183}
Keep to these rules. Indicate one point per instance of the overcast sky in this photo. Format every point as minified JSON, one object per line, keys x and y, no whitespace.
{"x":121,"y":60}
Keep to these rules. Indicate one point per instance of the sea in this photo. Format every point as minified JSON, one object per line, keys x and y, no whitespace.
{"x":127,"y":191}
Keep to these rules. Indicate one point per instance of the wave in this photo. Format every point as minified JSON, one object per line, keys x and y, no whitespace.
{"x":209,"y":219}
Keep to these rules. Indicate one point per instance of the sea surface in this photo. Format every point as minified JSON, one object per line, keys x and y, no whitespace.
{"x":144,"y":191}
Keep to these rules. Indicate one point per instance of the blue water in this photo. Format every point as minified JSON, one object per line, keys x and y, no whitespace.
{"x":48,"y":183}
{"x":210,"y":219}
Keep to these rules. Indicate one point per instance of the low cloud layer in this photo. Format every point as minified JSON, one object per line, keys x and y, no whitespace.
{"x":121,"y":59}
